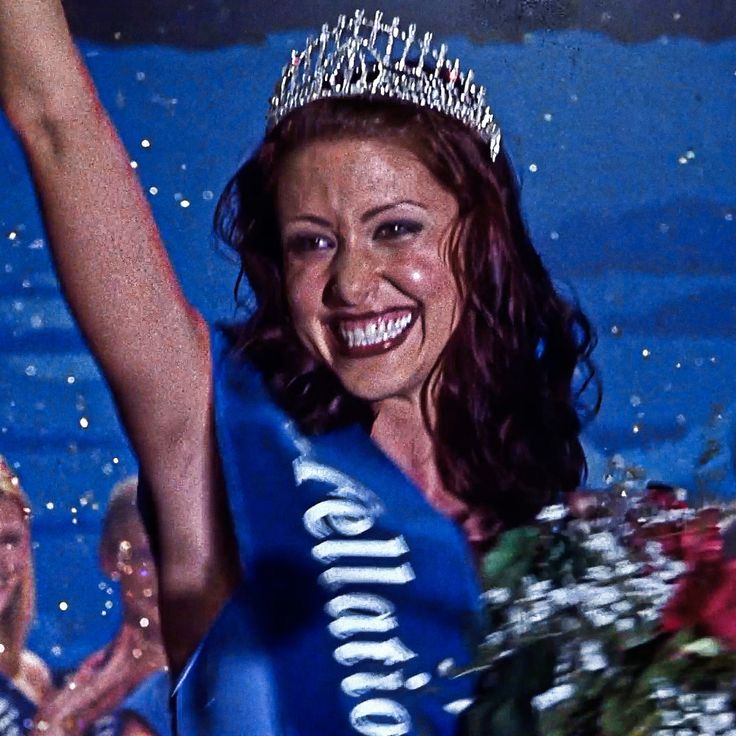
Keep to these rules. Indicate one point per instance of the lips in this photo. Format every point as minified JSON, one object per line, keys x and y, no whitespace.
{"x":373,"y":333}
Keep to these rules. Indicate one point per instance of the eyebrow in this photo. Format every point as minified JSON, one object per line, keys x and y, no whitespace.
{"x":367,"y":215}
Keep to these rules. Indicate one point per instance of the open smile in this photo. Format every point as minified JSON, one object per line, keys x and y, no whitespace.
{"x":360,"y":336}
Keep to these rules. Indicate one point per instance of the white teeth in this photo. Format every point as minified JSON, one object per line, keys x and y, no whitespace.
{"x":375,"y":332}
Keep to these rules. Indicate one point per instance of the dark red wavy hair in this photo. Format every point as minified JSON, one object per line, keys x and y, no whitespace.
{"x":509,"y":399}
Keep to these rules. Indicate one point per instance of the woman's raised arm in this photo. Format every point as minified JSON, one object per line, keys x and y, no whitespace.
{"x":150,"y":343}
{"x":114,"y":271}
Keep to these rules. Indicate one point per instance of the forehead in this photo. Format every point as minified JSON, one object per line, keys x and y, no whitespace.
{"x":357,"y":172}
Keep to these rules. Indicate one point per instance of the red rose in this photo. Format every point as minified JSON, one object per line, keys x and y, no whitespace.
{"x":705,"y":597}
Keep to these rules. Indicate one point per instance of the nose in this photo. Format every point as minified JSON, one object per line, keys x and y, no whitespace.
{"x":354,"y":276}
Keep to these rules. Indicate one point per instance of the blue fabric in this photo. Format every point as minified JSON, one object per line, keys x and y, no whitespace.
{"x":356,"y":588}
{"x":16,"y":710}
{"x":150,"y":703}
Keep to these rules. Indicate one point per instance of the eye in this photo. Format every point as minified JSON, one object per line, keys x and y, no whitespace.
{"x":308,"y":243}
{"x":397,"y":229}
{"x":10,"y":539}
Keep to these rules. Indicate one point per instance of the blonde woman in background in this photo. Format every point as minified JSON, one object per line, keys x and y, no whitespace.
{"x":24,"y":677}
{"x":122,"y":689}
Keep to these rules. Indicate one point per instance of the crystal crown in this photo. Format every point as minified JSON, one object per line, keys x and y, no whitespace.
{"x":366,"y":57}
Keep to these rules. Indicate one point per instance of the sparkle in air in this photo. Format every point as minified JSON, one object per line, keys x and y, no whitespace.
{"x":646,"y":353}
{"x":133,"y":164}
{"x":83,"y":422}
{"x":63,"y":606}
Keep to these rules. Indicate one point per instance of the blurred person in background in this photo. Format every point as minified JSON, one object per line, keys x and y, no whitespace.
{"x":122,"y":689}
{"x":24,"y":677}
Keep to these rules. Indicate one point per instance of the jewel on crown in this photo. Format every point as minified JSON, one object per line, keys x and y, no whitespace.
{"x":360,"y":57}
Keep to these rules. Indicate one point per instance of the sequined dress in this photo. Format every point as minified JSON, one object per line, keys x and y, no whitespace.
{"x":16,"y":710}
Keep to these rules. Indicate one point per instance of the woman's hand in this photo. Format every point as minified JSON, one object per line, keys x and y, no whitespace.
{"x":36,"y":57}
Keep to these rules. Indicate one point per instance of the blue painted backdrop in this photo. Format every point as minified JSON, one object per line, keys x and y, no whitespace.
{"x":626,"y":155}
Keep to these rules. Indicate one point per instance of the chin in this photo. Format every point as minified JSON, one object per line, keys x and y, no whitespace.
{"x":375,"y":388}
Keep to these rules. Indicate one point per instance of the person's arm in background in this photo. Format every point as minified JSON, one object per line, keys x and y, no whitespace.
{"x":152,"y":346}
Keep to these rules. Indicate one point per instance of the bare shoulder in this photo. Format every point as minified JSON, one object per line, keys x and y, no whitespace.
{"x":34,"y":676}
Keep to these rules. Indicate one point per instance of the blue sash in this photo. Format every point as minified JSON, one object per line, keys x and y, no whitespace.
{"x":357,"y":593}
{"x":16,"y":710}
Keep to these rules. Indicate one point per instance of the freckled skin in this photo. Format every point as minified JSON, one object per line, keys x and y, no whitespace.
{"x":343,"y":257}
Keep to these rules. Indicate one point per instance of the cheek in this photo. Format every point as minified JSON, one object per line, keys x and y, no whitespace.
{"x":303,"y":292}
{"x":17,"y":558}
{"x":430,"y":280}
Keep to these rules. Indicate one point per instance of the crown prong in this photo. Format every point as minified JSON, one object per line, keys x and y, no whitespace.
{"x":423,"y":52}
{"x":345,"y":55}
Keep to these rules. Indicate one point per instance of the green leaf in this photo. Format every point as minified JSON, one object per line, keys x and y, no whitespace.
{"x":511,"y":558}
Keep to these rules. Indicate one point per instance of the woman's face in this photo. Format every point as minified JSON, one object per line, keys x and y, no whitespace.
{"x":365,"y":229}
{"x":14,"y":551}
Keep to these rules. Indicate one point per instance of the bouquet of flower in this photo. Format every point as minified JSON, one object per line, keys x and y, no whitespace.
{"x":613,"y":616}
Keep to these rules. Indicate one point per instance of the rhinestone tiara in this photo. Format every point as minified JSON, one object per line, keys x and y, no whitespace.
{"x":366,"y":57}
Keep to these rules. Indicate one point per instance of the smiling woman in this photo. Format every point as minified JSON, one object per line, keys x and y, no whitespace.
{"x":380,"y":278}
{"x":386,"y":249}
{"x":322,"y":473}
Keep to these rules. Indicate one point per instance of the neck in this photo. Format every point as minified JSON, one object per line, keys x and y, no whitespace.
{"x":401,"y":431}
